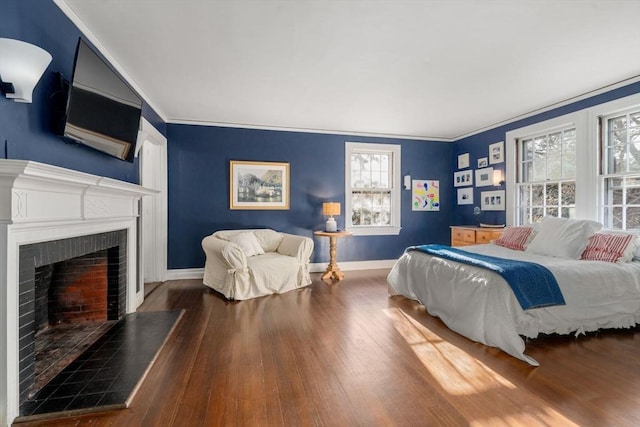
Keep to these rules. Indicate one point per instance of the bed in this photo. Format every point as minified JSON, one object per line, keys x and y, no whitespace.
{"x":479,"y":304}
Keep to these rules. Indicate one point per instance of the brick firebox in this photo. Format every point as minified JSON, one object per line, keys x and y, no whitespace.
{"x":45,"y":265}
{"x":72,"y":291}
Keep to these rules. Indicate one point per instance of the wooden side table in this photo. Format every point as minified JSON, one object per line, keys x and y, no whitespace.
{"x":333,"y":271}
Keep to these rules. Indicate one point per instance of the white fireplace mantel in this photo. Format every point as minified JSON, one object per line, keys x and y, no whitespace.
{"x":39,"y":203}
{"x":33,"y":192}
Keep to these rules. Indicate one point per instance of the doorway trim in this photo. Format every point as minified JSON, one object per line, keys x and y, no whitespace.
{"x":153,"y":175}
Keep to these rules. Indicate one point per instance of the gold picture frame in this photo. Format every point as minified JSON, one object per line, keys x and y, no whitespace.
{"x":258,"y":185}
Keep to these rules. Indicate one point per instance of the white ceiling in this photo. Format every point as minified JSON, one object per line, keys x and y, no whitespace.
{"x":433,"y":69}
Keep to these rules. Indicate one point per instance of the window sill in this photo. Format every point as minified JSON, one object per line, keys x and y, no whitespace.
{"x":374,"y":231}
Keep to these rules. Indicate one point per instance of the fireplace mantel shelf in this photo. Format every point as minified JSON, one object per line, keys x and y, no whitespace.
{"x":32,"y":191}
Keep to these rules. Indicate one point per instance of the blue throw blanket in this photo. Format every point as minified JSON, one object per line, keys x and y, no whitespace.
{"x":533,"y":284}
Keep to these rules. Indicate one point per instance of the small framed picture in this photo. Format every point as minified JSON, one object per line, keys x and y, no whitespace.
{"x":483,"y":162}
{"x":484,"y":177}
{"x":465,"y":196}
{"x":492,"y":200}
{"x":462,"y":178}
{"x":496,"y":153}
{"x":463,"y":161}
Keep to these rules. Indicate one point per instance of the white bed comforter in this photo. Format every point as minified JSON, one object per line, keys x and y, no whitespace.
{"x":480,"y":305}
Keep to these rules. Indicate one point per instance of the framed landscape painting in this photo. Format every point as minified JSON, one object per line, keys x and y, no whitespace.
{"x":258,"y":185}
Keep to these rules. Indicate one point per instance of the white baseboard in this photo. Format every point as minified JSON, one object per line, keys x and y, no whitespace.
{"x":198,"y":273}
{"x":354,"y":265}
{"x":185,"y":273}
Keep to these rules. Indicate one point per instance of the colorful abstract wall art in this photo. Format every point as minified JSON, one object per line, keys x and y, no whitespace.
{"x":425,"y":195}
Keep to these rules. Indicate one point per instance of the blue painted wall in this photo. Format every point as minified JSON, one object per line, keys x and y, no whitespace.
{"x":27,"y":130}
{"x":199,"y":189}
{"x":478,"y":146}
{"x":199,"y":159}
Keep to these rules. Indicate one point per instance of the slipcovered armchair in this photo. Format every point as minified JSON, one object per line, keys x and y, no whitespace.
{"x":243,"y":264}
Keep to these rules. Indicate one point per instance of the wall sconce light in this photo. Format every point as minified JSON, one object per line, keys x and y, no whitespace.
{"x":407,"y":182}
{"x":497,"y":177}
{"x":330,"y":209}
{"x":21,"y":67}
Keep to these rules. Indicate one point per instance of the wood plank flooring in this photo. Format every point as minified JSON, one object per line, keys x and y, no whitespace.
{"x":345,"y":354}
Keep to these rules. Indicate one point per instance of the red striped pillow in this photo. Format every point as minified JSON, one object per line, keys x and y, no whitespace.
{"x":515,"y":238}
{"x":607,"y":247}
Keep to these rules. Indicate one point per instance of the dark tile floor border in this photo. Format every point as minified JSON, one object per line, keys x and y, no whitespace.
{"x":107,"y":375}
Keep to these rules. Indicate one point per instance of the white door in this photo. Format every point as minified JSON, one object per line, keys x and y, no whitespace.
{"x":153,"y":212}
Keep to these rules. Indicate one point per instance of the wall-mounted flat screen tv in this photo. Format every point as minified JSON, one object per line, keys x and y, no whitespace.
{"x":102,"y":112}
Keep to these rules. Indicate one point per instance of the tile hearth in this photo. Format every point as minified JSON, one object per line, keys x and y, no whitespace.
{"x":107,"y":373}
{"x":63,"y":344}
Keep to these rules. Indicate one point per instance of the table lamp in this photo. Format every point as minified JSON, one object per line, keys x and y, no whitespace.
{"x":330,"y":209}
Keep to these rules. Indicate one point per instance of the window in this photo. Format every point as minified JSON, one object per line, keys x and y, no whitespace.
{"x":546,"y":185}
{"x":372,"y":181}
{"x":620,"y":165}
{"x":585,"y":164}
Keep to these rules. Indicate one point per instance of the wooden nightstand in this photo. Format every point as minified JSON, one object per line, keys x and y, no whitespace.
{"x":462,"y":235}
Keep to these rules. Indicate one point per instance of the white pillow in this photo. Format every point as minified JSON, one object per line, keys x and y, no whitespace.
{"x":563,"y":237}
{"x":248,"y":243}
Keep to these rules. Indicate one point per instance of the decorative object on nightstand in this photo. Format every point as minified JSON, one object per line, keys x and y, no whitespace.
{"x":462,"y":235}
{"x":476,"y":212}
{"x":330,"y":209}
{"x":333,"y":271}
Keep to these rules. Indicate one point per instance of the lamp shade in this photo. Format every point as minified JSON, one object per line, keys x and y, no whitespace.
{"x":22,"y":65}
{"x":331,"y":208}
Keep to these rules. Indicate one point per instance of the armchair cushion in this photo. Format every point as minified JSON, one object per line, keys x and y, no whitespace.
{"x":269,"y":239}
{"x":298,"y":247}
{"x":240,"y":270}
{"x":248,"y":243}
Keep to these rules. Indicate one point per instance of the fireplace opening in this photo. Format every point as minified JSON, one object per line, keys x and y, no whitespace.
{"x":71,"y":292}
{"x":70,"y":312}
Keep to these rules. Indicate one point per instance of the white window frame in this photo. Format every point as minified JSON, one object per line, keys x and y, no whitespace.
{"x":587,"y":155}
{"x":396,"y":189}
{"x":605,"y":173}
{"x":560,"y":181}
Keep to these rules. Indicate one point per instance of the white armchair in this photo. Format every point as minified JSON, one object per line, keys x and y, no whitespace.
{"x":243,"y":264}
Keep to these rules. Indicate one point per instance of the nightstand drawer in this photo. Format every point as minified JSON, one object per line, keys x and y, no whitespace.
{"x":463,"y":235}
{"x":487,"y":236}
{"x":470,"y":235}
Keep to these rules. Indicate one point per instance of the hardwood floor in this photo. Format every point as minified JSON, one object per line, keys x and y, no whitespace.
{"x":345,"y":354}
